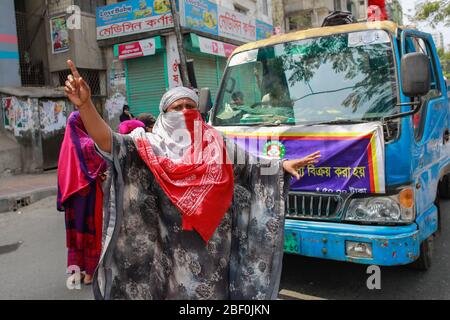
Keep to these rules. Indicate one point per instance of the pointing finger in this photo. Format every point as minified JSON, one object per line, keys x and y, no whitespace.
{"x":73,"y":69}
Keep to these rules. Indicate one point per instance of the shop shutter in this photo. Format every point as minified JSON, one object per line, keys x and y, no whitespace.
{"x":205,"y":68}
{"x":146,"y":84}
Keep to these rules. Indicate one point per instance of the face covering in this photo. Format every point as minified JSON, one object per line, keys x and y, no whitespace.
{"x":188,"y":159}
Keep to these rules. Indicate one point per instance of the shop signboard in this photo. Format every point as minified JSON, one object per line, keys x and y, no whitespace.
{"x":173,"y":61}
{"x":214,"y":47}
{"x":200,"y":15}
{"x":263,"y":30}
{"x":131,"y":17}
{"x":208,"y":17}
{"x":236,"y":26}
{"x":137,"y":49}
{"x":137,"y":16}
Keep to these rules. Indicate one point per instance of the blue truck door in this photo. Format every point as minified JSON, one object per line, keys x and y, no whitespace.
{"x":429,"y":151}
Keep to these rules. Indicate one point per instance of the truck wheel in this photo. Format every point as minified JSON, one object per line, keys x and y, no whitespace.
{"x":423,"y":263}
{"x":437,"y":203}
{"x":444,"y":187}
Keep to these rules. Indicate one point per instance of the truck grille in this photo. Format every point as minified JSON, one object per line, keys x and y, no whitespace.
{"x":312,"y":206}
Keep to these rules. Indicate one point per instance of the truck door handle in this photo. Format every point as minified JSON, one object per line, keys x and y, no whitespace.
{"x":446,"y":136}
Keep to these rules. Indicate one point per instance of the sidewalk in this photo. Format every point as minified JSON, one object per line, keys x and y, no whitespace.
{"x":23,"y":190}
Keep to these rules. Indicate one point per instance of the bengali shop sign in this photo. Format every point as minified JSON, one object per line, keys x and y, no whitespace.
{"x":200,"y":15}
{"x":352,"y":156}
{"x":214,"y":47}
{"x":235,"y":25}
{"x":137,"y":16}
{"x":131,"y":17}
{"x":263,"y":30}
{"x":208,"y":17}
{"x":137,"y":49}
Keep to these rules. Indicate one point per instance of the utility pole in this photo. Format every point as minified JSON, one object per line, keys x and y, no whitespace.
{"x":179,"y":36}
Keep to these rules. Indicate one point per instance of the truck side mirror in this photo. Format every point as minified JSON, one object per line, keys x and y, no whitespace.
{"x":416,"y":74}
{"x":204,"y":101}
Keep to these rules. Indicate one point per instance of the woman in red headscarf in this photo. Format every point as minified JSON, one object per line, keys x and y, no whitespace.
{"x":80,"y":175}
{"x":186,"y":222}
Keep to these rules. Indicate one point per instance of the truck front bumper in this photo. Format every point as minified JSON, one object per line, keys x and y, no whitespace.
{"x":390,"y":245}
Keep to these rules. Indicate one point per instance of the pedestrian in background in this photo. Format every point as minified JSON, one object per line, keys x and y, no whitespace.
{"x":128,"y":126}
{"x":126,"y":114}
{"x":80,"y":174}
{"x":149,"y":120}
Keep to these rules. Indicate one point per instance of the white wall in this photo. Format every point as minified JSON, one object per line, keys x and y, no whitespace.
{"x":254,"y":7}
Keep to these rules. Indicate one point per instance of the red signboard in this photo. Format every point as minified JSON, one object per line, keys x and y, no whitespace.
{"x":137,"y":49}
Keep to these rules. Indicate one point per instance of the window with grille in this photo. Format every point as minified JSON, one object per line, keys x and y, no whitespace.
{"x":301,"y":20}
{"x":240,"y":9}
{"x":92,"y":77}
{"x":31,"y":69}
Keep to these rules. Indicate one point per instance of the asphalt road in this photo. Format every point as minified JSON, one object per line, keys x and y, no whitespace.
{"x":338,"y":280}
{"x":33,"y":255}
{"x":33,"y":262}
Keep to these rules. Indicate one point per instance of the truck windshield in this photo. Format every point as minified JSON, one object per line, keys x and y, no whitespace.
{"x":343,"y":77}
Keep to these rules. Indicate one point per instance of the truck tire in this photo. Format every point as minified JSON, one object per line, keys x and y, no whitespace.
{"x":444,"y":187}
{"x":423,"y":263}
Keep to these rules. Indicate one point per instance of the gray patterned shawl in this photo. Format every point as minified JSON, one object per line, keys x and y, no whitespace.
{"x":146,"y":254}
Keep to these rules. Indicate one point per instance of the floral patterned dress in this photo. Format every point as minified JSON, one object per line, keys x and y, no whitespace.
{"x":147,"y":255}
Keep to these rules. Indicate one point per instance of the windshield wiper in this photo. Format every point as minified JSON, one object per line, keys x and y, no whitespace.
{"x":342,"y":121}
{"x":260,"y":124}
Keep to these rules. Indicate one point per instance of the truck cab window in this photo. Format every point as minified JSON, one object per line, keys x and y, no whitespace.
{"x":330,"y":78}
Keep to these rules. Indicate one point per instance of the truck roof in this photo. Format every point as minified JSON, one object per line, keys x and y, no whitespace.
{"x":389,"y":26}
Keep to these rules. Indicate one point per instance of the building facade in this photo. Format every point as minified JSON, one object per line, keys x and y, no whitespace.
{"x":9,"y":50}
{"x":141,"y":53}
{"x":37,"y":38}
{"x":394,"y":11}
{"x":291,"y":15}
{"x":304,"y":14}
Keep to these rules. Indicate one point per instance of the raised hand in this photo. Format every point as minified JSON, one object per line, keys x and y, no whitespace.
{"x":292,"y":166}
{"x":76,"y":89}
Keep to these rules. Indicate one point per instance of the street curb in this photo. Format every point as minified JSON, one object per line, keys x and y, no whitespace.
{"x":16,"y":201}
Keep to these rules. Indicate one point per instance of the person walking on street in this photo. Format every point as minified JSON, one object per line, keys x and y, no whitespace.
{"x":81,"y":172}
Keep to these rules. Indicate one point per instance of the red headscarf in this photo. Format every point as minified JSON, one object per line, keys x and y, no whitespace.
{"x":200,"y":181}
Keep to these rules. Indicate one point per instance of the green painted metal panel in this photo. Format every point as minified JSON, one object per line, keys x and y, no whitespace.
{"x":146,"y":83}
{"x":208,"y":71}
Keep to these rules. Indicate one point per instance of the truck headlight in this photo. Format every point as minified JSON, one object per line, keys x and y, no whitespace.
{"x":384,"y":209}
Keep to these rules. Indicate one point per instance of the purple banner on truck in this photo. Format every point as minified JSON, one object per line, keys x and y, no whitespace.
{"x":352,"y":157}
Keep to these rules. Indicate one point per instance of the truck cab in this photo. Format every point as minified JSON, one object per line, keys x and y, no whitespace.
{"x":331,"y":89}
